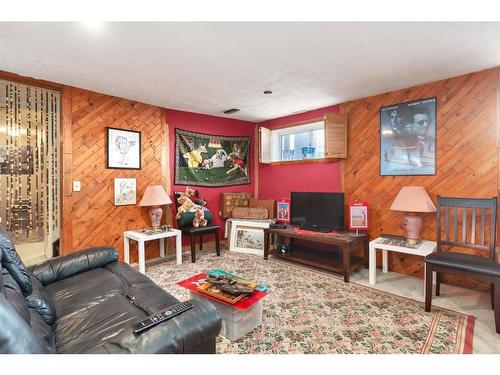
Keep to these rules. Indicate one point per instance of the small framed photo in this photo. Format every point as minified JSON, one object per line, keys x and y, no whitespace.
{"x":283,"y":211}
{"x":125,"y":191}
{"x":358,"y":215}
{"x":123,"y":149}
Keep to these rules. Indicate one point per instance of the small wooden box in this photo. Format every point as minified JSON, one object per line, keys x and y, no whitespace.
{"x":230,"y":200}
{"x":213,"y":291}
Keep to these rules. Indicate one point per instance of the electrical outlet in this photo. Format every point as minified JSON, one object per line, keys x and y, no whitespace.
{"x":76,"y":186}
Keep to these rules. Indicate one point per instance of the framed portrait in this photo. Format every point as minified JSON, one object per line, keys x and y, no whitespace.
{"x":283,"y":211}
{"x":358,"y":215}
{"x":123,"y":149}
{"x":125,"y":191}
{"x":247,"y":237}
{"x":408,"y":138}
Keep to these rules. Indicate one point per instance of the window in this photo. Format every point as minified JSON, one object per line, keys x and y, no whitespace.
{"x":299,"y":142}
{"x":305,"y":141}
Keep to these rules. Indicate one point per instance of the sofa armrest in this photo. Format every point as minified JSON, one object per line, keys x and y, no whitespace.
{"x":68,"y":265}
{"x":185,"y":333}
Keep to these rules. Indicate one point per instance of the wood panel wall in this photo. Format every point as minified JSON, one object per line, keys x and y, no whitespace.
{"x":90,"y":213}
{"x":467,"y":155}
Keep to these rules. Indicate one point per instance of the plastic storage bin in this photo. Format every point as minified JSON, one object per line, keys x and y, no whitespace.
{"x":235,"y":323}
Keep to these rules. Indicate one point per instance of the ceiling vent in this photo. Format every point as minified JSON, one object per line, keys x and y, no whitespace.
{"x":232,"y":110}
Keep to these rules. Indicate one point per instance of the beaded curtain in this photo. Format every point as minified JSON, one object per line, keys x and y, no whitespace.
{"x":29,"y":162}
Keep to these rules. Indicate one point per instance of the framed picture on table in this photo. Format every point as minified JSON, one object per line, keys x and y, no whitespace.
{"x":358,"y":216}
{"x":283,"y":211}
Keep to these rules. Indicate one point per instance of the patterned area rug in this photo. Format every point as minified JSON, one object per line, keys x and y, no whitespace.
{"x":307,"y":311}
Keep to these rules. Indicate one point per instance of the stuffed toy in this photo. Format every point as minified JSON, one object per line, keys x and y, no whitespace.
{"x":186,"y":205}
{"x":199,"y":219}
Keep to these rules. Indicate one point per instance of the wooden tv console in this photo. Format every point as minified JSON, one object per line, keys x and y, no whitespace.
{"x":337,"y":256}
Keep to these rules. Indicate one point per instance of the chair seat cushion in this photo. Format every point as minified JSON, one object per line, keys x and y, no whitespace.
{"x":464,"y":262}
{"x":201,"y":230}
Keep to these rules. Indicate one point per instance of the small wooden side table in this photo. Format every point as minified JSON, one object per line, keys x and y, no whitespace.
{"x":141,"y":238}
{"x":425,"y":248}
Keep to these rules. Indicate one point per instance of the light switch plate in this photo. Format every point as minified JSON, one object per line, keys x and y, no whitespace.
{"x":76,"y":186}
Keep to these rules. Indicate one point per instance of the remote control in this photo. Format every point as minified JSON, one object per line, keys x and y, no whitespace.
{"x":162,"y":316}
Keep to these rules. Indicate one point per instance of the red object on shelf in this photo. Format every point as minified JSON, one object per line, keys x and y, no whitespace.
{"x":303,"y":231}
{"x":358,"y":215}
{"x":242,"y":304}
{"x":283,"y":211}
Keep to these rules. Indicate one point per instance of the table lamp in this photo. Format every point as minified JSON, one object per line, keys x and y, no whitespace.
{"x":413,"y":200}
{"x":155,"y":196}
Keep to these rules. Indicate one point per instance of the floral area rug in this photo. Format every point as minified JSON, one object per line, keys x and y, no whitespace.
{"x":308,"y":311}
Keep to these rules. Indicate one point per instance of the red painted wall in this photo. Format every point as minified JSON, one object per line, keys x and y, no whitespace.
{"x":278,"y":181}
{"x":210,"y":125}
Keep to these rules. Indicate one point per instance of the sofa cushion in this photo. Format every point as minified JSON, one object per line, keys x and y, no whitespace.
{"x":13,"y":293}
{"x":42,"y":331}
{"x":12,"y":263}
{"x":85,"y":330}
{"x":62,"y":267}
{"x":16,"y":335}
{"x":83,"y":290}
{"x":187,"y":218}
{"x":114,"y":299}
{"x":39,"y":301}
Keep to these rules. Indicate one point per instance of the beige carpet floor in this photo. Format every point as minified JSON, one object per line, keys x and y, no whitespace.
{"x":350,"y":313}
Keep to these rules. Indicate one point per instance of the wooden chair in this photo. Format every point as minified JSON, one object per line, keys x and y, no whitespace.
{"x":480,"y":235}
{"x":193,"y":232}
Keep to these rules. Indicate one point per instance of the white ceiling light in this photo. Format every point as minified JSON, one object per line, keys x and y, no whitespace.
{"x":93,"y":25}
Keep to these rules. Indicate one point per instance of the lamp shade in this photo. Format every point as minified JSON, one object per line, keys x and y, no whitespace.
{"x":413,"y":199}
{"x":155,"y":195}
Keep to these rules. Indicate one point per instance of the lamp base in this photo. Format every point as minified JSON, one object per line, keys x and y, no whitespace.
{"x":413,"y":224}
{"x":155,"y":214}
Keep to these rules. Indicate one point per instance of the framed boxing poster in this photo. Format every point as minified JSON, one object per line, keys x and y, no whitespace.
{"x":358,"y":216}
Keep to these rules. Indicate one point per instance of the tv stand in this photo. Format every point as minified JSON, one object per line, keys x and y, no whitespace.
{"x":337,"y":256}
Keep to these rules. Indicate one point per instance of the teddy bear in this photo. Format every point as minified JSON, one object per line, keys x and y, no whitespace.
{"x":187,"y":205}
{"x":199,"y":219}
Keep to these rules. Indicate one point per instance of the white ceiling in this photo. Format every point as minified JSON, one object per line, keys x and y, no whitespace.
{"x":211,"y":67}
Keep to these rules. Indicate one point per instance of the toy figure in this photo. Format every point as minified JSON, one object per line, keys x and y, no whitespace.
{"x":187,"y":205}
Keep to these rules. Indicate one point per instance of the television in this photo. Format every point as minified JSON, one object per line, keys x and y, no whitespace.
{"x":322,"y":210}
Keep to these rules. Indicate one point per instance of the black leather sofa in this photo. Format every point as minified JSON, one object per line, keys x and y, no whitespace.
{"x":87,"y":302}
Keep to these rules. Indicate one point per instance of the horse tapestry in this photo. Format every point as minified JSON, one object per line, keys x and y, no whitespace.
{"x":211,"y":160}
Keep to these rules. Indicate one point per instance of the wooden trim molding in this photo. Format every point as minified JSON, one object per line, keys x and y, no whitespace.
{"x":304,"y":161}
{"x":298,"y":123}
{"x":67,"y":171}
{"x":256,"y":161}
{"x":30,"y":81}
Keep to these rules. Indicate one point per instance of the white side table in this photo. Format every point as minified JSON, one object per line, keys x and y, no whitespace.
{"x":425,"y":248}
{"x":141,"y":238}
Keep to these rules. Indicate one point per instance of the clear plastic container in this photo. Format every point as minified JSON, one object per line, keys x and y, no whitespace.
{"x":235,"y":323}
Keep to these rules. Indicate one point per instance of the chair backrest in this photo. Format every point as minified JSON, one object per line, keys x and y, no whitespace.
{"x":457,"y":214}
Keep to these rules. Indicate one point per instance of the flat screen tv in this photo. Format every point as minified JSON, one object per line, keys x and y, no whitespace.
{"x":324,"y":210}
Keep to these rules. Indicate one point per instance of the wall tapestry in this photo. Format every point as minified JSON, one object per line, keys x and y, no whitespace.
{"x":408,"y":138}
{"x":211,"y":160}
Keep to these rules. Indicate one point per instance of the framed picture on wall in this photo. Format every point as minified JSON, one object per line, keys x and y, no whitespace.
{"x":123,"y":149}
{"x":125,"y":191}
{"x":283,"y":211}
{"x":358,"y":216}
{"x":408,"y":138}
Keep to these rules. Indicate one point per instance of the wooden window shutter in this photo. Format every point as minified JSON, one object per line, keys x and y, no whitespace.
{"x":264,"y":145}
{"x":335,"y":136}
